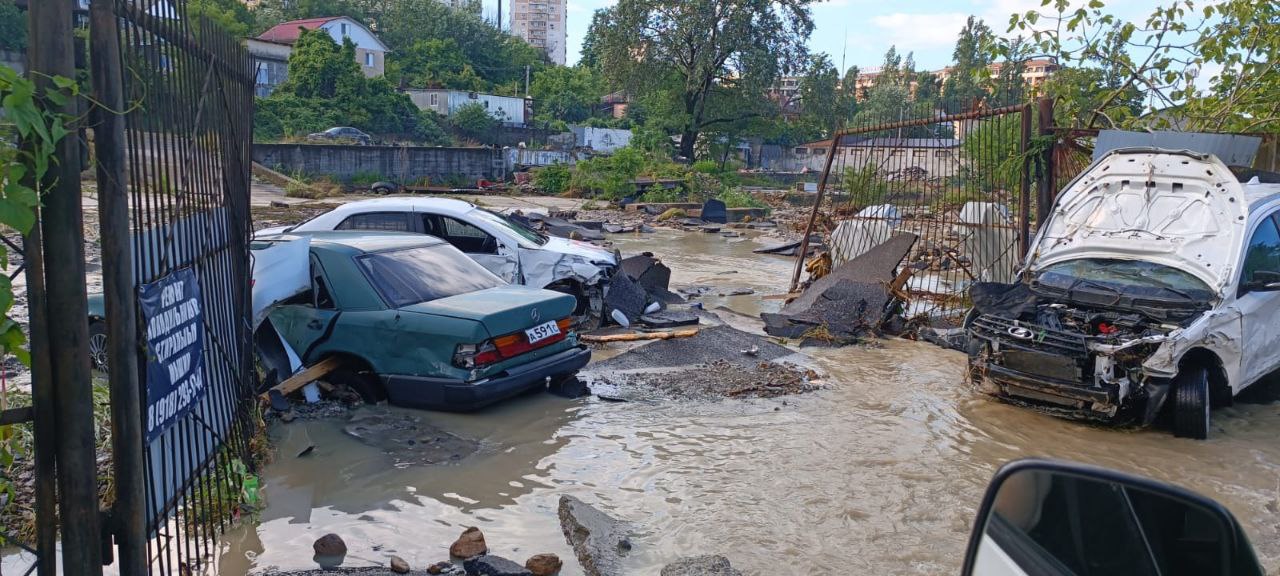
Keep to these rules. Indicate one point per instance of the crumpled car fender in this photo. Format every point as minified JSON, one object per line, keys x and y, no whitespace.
{"x":542,"y":268}
{"x":1218,"y":332}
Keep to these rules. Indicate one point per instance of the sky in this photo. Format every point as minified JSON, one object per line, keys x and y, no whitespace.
{"x":862,"y":30}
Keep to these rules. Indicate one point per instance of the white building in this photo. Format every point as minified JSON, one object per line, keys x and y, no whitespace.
{"x":506,"y":109}
{"x":543,"y":24}
{"x":271,"y":49}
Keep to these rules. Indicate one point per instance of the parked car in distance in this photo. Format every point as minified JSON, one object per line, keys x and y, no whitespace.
{"x":1052,"y":518}
{"x":1155,"y":279}
{"x":342,"y":134}
{"x":507,"y":248}
{"x":418,"y":323}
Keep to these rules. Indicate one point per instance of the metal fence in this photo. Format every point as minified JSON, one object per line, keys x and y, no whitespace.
{"x":962,"y":177}
{"x":188,"y":88}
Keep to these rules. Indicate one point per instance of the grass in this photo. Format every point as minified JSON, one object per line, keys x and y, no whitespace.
{"x":322,"y":188}
{"x":364,"y":179}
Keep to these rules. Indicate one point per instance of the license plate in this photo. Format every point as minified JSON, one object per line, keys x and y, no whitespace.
{"x":542,"y":332}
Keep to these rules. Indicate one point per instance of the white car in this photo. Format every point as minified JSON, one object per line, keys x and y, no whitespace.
{"x":1156,"y":279}
{"x":504,"y":246}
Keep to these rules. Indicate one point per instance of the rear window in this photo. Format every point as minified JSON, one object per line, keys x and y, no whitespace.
{"x":414,"y":275}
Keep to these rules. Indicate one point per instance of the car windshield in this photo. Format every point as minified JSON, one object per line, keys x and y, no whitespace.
{"x":414,"y":275}
{"x":524,"y":233}
{"x":1124,"y":278}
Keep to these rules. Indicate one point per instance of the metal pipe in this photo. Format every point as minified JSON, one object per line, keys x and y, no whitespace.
{"x":813,"y":216}
{"x":1024,"y":187}
{"x":1048,"y":172}
{"x":129,"y":509}
{"x":51,"y":52}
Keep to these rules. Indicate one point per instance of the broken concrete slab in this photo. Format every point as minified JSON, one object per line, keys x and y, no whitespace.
{"x":590,"y":224}
{"x":716,"y":342}
{"x":791,"y":248}
{"x":701,"y":566}
{"x":869,"y":228}
{"x":715,"y":211}
{"x":408,"y":439}
{"x":626,"y":296}
{"x":598,"y":540}
{"x":490,"y":565}
{"x":647,"y":270}
{"x":669,"y":319}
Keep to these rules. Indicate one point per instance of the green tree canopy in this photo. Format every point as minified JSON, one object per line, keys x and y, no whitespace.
{"x":970,"y":77}
{"x":566,"y":94}
{"x":13,"y":26}
{"x":473,"y":121}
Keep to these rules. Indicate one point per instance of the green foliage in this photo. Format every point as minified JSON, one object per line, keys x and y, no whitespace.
{"x":365,"y":178}
{"x":326,"y":88}
{"x":474,"y":122}
{"x":553,"y":179}
{"x":823,"y":104}
{"x":435,"y":62}
{"x":13,"y":26}
{"x":970,"y":78}
{"x":566,"y":94}
{"x":232,"y":15}
{"x":736,"y":198}
{"x":864,"y":186}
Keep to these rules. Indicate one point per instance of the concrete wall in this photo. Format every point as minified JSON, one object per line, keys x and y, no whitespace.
{"x":605,"y":140}
{"x":409,"y":164}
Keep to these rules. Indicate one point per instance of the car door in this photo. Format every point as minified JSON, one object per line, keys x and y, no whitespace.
{"x":312,"y":319}
{"x":1259,"y":310}
{"x":481,"y":246}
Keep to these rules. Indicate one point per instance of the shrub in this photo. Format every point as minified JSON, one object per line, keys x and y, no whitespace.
{"x":736,"y":198}
{"x":553,"y":179}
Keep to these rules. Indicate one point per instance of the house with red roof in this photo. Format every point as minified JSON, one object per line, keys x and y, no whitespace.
{"x":271,"y":49}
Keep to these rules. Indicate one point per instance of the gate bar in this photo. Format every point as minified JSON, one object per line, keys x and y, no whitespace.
{"x":1024,"y":187}
{"x":51,"y":53}
{"x":813,"y":216}
{"x":129,"y":511}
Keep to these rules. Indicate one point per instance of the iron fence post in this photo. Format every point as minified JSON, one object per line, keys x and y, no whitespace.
{"x":1048,"y":177}
{"x":51,"y":54}
{"x":129,"y":510}
{"x":817,"y":206}
{"x":1024,"y":187}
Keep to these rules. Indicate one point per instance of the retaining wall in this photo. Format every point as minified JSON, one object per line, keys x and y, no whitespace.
{"x":405,"y":164}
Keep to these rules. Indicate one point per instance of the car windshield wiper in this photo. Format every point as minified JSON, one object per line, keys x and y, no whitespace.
{"x":1079,"y":281}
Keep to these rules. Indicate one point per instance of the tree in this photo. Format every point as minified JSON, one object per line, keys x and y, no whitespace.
{"x":819,"y":98}
{"x":566,"y":94}
{"x":232,"y":15}
{"x":13,"y":26}
{"x":970,"y":77}
{"x":473,"y":121}
{"x":701,"y":51}
{"x":589,"y":55}
{"x":435,"y":63}
{"x":1171,"y":49}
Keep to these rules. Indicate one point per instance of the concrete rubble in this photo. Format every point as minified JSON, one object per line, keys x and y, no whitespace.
{"x":848,"y":303}
{"x":599,"y":541}
{"x":701,"y":566}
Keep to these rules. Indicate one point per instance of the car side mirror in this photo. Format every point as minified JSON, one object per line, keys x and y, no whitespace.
{"x":1047,"y":517}
{"x":1263,"y":281}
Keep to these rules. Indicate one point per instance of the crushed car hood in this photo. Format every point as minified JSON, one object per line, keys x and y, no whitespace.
{"x":586,"y":250}
{"x":1176,"y":208}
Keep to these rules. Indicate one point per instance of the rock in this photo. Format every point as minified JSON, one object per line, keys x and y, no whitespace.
{"x":279,"y":204}
{"x":399,"y":566}
{"x":613,"y":228}
{"x":330,"y":545}
{"x":701,"y":566}
{"x":544,"y":564}
{"x":669,"y":319}
{"x":470,"y":543}
{"x":599,"y":541}
{"x":714,"y":211}
{"x":494,"y":566}
{"x":440,"y":568}
{"x":738,"y":292}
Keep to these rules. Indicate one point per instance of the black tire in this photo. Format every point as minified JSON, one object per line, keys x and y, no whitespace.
{"x":1191,"y":403}
{"x":363,"y":382}
{"x":98,"y":345}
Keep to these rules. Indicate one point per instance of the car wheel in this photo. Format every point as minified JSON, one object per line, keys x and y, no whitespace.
{"x":1191,"y":403}
{"x":98,"y":345}
{"x":363,"y":382}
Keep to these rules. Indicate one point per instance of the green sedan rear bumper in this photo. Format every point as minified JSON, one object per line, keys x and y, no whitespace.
{"x":458,"y":396}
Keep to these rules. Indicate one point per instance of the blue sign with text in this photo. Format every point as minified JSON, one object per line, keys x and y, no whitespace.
{"x":175,"y":348}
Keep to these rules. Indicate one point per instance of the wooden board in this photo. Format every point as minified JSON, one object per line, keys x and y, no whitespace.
{"x":639,"y":336}
{"x":297,"y":381}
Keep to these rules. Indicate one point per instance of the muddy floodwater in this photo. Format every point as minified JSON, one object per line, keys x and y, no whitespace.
{"x":879,"y":473}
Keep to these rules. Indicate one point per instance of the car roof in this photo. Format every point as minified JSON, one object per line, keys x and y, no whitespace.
{"x":360,"y":241}
{"x":447,"y":206}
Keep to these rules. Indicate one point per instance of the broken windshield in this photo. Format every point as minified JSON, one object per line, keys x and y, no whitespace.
{"x":1123,"y":279}
{"x":524,"y":233}
{"x":414,"y":275}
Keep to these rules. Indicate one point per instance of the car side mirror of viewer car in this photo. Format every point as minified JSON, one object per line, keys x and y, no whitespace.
{"x":1263,"y":281}
{"x":1057,"y":518}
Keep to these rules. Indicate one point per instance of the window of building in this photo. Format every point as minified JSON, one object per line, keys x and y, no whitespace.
{"x":802,"y":150}
{"x":919,"y":153}
{"x":941,"y":154}
{"x":344,"y":29}
{"x":368,"y":58}
{"x":819,"y":151}
{"x":896,"y":152}
{"x":435,"y":101}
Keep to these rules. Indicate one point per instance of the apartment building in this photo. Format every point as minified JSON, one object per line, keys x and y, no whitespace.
{"x":543,"y":24}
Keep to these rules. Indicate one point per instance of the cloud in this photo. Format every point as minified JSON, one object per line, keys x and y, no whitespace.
{"x":919,"y":31}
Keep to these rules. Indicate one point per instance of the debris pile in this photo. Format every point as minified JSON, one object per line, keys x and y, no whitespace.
{"x":640,"y":292}
{"x":855,"y":298}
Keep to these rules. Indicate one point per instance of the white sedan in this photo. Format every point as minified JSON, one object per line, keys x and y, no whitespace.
{"x":506,"y":247}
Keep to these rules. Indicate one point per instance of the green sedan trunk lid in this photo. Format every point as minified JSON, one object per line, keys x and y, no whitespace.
{"x":502,"y":310}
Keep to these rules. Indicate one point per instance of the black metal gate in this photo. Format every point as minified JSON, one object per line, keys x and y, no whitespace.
{"x":188,"y":89}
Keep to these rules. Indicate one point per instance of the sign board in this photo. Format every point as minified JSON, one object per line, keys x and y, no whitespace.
{"x":174,"y":324}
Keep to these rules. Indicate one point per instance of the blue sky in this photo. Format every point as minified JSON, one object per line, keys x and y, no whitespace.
{"x":869,"y":27}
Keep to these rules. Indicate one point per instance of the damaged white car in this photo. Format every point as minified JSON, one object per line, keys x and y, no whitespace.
{"x":509,"y":249}
{"x":1155,"y":282}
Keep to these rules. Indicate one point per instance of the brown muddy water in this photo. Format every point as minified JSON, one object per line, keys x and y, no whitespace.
{"x":880,"y":473}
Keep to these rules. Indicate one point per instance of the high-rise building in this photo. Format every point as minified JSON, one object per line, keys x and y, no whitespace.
{"x":473,"y":6}
{"x":543,"y":24}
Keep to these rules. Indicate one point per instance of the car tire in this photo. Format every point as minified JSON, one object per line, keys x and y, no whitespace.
{"x":98,"y":345}
{"x":1191,"y":403}
{"x":362,"y":382}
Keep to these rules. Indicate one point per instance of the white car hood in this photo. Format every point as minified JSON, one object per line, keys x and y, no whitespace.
{"x":586,"y":250}
{"x":1176,"y":208}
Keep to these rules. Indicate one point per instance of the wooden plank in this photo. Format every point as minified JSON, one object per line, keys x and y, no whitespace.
{"x":17,"y":415}
{"x":297,"y":381}
{"x":639,"y":336}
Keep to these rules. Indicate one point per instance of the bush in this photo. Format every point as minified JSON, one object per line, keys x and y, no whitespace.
{"x":553,"y":179}
{"x":364,"y":179}
{"x":736,"y":198}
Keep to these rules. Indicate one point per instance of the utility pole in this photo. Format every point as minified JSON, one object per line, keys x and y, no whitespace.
{"x":500,"y":15}
{"x":526,"y":80}
{"x":129,"y":510}
{"x":51,"y":53}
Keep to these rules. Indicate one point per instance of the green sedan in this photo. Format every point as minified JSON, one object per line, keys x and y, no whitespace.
{"x":422,"y":325}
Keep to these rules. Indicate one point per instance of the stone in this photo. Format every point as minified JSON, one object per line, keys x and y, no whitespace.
{"x":701,"y":566}
{"x":613,"y":228}
{"x":544,"y":564}
{"x":330,"y":545}
{"x":494,"y":566}
{"x":440,"y":568}
{"x":714,"y":211}
{"x":598,"y":540}
{"x":470,"y":543}
{"x":399,"y":566}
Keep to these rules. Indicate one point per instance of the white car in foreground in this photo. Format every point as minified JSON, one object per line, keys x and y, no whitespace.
{"x":504,"y":246}
{"x":1154,"y":281}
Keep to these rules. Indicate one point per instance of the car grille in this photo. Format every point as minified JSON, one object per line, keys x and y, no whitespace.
{"x":1043,"y":339}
